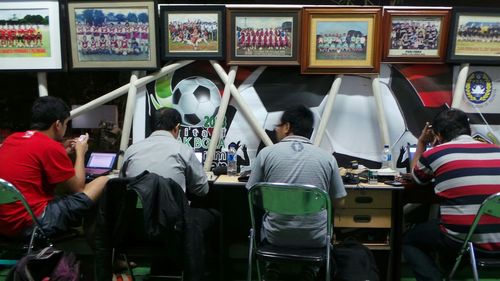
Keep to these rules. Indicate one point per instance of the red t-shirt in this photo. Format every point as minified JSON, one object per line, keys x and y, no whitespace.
{"x":34,"y":163}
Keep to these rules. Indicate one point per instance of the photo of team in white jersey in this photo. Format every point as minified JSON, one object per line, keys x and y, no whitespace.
{"x":415,"y":36}
{"x":263,"y":36}
{"x":340,"y":40}
{"x":193,"y":32}
{"x":24,"y":33}
{"x":112,"y":34}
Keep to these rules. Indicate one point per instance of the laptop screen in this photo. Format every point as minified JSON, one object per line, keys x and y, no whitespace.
{"x":199,"y":156}
{"x":101,"y":160}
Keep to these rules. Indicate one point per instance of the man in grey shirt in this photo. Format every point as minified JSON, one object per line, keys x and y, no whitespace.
{"x":296,"y":160}
{"x":163,"y":154}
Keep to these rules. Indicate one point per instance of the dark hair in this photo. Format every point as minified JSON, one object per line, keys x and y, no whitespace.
{"x":47,"y":110}
{"x":166,"y":119}
{"x":301,"y":120}
{"x":451,"y":123}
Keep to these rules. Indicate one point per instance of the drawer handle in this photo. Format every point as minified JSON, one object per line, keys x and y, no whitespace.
{"x":364,"y":200}
{"x":362,"y":218}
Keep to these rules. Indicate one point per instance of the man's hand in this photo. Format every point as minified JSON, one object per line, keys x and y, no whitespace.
{"x":69,"y":145}
{"x":81,"y":145}
{"x":427,"y":136}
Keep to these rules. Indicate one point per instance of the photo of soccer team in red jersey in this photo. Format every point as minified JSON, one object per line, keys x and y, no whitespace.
{"x":112,"y":34}
{"x":263,"y":36}
{"x":193,"y":32}
{"x":24,"y":33}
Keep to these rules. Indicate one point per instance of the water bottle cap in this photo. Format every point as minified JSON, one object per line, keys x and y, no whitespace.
{"x":386,"y":146}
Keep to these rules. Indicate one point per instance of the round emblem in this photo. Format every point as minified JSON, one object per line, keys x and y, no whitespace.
{"x":478,"y":87}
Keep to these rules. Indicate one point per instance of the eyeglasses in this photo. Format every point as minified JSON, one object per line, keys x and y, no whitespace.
{"x":279,"y":125}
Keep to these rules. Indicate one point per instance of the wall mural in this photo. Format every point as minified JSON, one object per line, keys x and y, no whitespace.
{"x":411,"y":94}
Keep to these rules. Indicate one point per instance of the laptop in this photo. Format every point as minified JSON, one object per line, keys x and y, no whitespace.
{"x":99,"y":164}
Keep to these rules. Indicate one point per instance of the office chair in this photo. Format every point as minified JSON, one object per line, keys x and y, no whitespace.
{"x":288,"y":199}
{"x":121,"y":232}
{"x":8,"y":195}
{"x":490,"y":206}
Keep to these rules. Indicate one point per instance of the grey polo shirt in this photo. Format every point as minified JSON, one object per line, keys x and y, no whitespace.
{"x":164,"y":155}
{"x":296,"y":160}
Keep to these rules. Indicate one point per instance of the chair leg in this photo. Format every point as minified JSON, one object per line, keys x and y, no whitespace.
{"x":473,"y":261}
{"x":327,"y":270}
{"x":457,"y":263}
{"x":250,"y":255}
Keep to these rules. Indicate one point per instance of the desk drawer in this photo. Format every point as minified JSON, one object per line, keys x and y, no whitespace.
{"x":366,"y":199}
{"x":359,"y":218}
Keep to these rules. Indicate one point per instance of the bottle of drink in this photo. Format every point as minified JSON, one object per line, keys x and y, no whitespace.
{"x":386,"y":157}
{"x":231,"y":162}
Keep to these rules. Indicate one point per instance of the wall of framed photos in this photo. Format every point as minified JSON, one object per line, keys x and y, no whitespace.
{"x":325,"y":39}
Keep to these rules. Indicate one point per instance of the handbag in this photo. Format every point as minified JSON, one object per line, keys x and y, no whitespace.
{"x":44,"y":265}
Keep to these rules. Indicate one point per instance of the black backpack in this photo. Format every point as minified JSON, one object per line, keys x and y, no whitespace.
{"x":354,"y":262}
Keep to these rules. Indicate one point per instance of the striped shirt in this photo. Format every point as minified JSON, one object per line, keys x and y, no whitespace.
{"x":465,"y":172}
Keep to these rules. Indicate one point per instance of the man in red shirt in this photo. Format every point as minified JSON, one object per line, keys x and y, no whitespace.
{"x":35,"y":162}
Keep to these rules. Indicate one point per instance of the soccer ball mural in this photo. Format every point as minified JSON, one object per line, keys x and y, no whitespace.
{"x":197,"y":99}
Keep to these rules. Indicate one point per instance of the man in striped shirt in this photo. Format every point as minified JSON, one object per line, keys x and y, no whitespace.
{"x":465,"y":172}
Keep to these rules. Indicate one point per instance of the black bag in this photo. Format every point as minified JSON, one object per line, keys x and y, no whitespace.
{"x":46,"y":264}
{"x":354,"y":262}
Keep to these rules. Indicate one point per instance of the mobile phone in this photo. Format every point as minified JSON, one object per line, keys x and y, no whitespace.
{"x":82,"y":137}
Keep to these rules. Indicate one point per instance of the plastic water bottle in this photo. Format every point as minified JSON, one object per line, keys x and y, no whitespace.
{"x":231,"y":162}
{"x":386,"y":157}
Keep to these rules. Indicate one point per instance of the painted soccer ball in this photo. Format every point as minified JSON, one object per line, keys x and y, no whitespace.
{"x":197,"y":99}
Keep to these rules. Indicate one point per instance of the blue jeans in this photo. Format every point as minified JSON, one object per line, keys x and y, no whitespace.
{"x":418,"y":245}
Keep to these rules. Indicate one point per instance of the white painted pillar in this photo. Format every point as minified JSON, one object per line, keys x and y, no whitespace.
{"x":221,"y":114}
{"x":42,"y":84}
{"x":328,"y":109}
{"x":459,"y":90}
{"x":129,"y":114}
{"x":245,"y":110}
{"x":384,"y":129}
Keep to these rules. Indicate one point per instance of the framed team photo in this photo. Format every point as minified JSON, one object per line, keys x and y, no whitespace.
{"x":263,"y":36}
{"x":113,"y":35}
{"x":195,"y":32}
{"x":341,"y":40}
{"x":30,"y":35}
{"x":416,"y":35}
{"x":475,"y":36}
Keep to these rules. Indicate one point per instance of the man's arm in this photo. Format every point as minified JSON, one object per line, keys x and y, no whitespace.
{"x":427,"y":136}
{"x":77,"y":182}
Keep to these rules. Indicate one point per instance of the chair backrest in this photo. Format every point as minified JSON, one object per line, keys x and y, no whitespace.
{"x":9,"y":194}
{"x":289,"y":199}
{"x":490,"y":206}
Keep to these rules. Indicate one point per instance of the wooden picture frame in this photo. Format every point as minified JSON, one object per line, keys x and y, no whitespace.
{"x":31,"y":36}
{"x":113,"y":35}
{"x":192,"y":32}
{"x":475,"y":36}
{"x":415,"y":35}
{"x":325,"y":46}
{"x":263,"y":36}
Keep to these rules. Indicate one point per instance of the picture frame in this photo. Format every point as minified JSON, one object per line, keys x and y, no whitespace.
{"x":113,"y":35}
{"x":193,"y":32}
{"x":415,"y":35}
{"x":263,"y":35}
{"x":32,"y":36}
{"x":326,"y":48}
{"x":474,"y":36}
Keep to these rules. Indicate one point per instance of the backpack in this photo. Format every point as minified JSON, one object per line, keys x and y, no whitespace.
{"x":354,"y":262}
{"x":46,"y":264}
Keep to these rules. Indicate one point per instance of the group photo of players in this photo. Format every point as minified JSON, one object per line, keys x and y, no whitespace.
{"x":108,"y":35}
{"x":341,"y":40}
{"x":414,"y":34}
{"x":477,"y":36}
{"x":193,"y":32}
{"x":24,"y":33}
{"x":263,"y":36}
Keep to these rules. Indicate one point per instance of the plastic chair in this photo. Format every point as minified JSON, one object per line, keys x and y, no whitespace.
{"x":8,"y":195}
{"x":490,"y":206}
{"x":288,"y":199}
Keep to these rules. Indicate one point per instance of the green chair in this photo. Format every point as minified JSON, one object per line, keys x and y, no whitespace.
{"x":288,"y":199}
{"x":8,"y":195}
{"x":490,"y":206}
